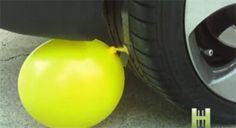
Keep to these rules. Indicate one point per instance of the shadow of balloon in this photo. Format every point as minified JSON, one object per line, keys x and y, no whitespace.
{"x":143,"y":108}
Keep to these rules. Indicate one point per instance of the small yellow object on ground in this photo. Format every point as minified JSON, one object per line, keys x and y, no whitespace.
{"x":71,"y":84}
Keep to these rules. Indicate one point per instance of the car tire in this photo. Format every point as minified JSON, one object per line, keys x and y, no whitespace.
{"x":159,"y":55}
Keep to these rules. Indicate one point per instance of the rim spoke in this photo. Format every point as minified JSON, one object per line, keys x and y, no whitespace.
{"x":228,"y":37}
{"x":197,"y":10}
{"x":225,"y":86}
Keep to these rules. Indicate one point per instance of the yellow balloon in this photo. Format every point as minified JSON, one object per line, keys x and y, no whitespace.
{"x":71,"y":84}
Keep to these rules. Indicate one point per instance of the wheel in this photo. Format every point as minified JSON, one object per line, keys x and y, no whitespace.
{"x":185,"y":49}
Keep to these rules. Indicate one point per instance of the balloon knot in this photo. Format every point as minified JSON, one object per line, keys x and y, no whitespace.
{"x":123,"y":49}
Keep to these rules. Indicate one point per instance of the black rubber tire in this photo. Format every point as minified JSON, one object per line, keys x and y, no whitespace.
{"x":159,"y":56}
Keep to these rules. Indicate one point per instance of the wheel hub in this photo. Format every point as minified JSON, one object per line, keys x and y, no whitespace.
{"x":211,"y":41}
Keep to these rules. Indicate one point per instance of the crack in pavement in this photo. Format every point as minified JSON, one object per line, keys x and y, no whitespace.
{"x":14,"y":57}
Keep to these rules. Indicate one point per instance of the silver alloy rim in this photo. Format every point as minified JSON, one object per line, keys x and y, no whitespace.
{"x":221,"y":80}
